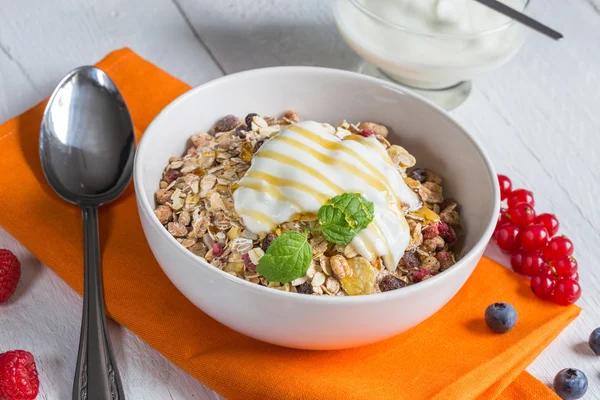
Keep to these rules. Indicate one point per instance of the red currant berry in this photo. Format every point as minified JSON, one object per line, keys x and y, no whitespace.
{"x":516,"y":262}
{"x":532,"y":263}
{"x":522,"y":214}
{"x":505,"y":186}
{"x":575,"y":276}
{"x":566,"y":291}
{"x":502,"y":219}
{"x":534,"y":237}
{"x":519,"y":196}
{"x":549,"y":221}
{"x":507,"y":238}
{"x":565,"y":266}
{"x":542,"y":285}
{"x":558,"y":246}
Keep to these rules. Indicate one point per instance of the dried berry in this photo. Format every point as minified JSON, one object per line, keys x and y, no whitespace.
{"x":411,"y":259}
{"x":390,"y":282}
{"x":250,"y":266}
{"x":421,"y":275}
{"x":446,"y":232}
{"x":248,"y":119}
{"x":419,"y":174}
{"x":445,"y":258}
{"x":171,"y":175}
{"x":367,"y":132}
{"x":430,"y":231}
{"x":227,"y":123}
{"x":258,"y":145}
{"x":267,"y":241}
{"x":217,"y":249}
{"x":240,"y":131}
{"x":305,"y":288}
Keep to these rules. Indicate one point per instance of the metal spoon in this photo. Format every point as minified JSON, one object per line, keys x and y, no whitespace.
{"x":522,"y":18}
{"x":87,"y":146}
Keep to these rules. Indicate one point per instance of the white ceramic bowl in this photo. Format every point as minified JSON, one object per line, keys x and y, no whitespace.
{"x":296,"y":320}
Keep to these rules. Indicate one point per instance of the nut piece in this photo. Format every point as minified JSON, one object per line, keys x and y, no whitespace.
{"x":163,"y":196}
{"x":292,"y":116}
{"x":377,"y":128}
{"x":431,"y":264}
{"x":340,"y":267}
{"x":433,"y":244}
{"x":163,"y":213}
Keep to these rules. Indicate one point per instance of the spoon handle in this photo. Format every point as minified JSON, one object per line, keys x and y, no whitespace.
{"x":96,"y":374}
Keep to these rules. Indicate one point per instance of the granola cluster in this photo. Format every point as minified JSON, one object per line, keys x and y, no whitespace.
{"x":195,"y":205}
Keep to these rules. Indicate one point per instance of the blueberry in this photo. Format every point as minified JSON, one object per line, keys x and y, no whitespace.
{"x":595,"y":341}
{"x":500,"y":317}
{"x":570,"y":384}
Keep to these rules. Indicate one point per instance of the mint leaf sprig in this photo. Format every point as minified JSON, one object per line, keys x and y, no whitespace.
{"x":287,"y":258}
{"x":344,"y":216}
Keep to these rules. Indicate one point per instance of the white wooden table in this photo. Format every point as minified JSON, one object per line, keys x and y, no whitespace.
{"x":538,"y":118}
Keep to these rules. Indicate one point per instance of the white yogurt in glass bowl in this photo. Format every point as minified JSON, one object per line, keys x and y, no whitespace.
{"x":430,"y":44}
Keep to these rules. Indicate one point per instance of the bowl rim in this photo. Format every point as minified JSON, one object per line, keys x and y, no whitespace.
{"x":446,"y":36}
{"x":147,"y":209}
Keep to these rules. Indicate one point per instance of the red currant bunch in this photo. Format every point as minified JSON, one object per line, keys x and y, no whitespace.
{"x":535,"y":250}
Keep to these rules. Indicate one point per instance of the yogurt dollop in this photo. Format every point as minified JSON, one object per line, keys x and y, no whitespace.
{"x":304,"y":165}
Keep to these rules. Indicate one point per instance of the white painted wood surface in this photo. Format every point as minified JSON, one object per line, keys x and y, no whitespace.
{"x":537,"y":117}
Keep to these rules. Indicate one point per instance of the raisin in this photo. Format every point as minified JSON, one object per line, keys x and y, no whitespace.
{"x":248,"y":120}
{"x":267,"y":242}
{"x":419,"y":174}
{"x":411,"y":259}
{"x":258,"y":145}
{"x":171,"y":175}
{"x":305,"y":288}
{"x":227,"y":123}
{"x":240,"y":131}
{"x":390,"y":282}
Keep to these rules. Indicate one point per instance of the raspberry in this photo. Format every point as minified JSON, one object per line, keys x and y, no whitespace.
{"x":446,"y":232}
{"x":10,"y":272}
{"x":217,"y":249}
{"x":367,"y":132}
{"x":18,"y":376}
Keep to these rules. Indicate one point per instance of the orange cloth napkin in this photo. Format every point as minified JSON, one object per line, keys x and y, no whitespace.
{"x":451,"y":356}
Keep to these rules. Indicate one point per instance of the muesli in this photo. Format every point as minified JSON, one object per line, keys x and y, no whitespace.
{"x":318,"y":252}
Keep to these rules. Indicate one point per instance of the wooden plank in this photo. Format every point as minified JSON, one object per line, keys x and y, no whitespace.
{"x":47,"y":39}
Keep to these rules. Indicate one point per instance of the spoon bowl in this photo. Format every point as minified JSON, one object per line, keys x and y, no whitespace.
{"x":87,"y":147}
{"x":87,"y":142}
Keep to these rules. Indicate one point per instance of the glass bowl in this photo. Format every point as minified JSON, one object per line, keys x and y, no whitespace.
{"x":420,"y":59}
